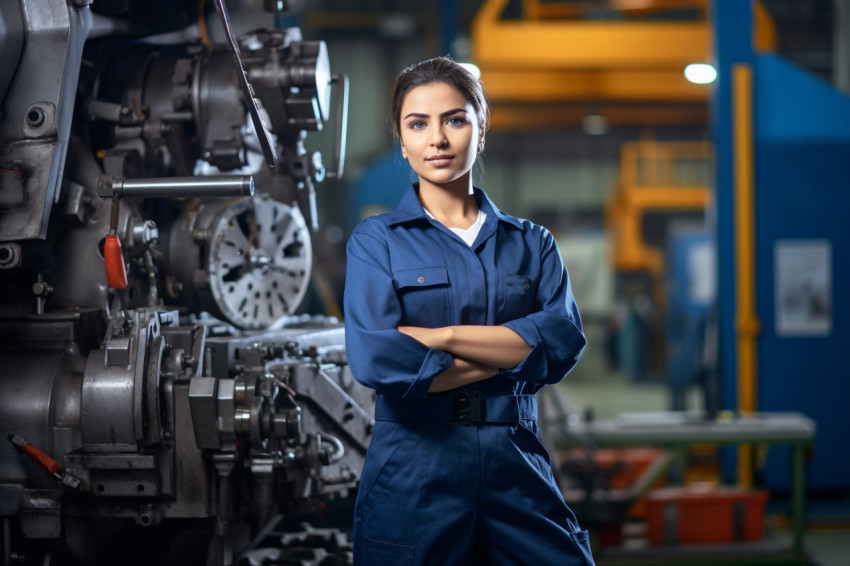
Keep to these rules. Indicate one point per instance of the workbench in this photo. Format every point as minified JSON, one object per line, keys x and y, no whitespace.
{"x":676,"y":432}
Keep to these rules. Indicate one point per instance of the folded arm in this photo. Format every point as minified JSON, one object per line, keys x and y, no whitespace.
{"x":495,"y":346}
{"x":461,"y":372}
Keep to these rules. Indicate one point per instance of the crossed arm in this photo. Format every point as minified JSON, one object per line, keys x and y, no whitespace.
{"x":479,"y":351}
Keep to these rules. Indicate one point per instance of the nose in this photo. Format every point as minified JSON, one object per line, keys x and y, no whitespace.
{"x":438,"y":137}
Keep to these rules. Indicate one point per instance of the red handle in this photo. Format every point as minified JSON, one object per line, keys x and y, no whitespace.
{"x":41,"y":459}
{"x":116,"y":272}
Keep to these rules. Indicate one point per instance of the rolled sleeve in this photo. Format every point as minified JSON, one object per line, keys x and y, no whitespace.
{"x":380,"y":356}
{"x":554,"y":332}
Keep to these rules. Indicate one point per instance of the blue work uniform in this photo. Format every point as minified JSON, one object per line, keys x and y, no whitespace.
{"x":459,"y":477}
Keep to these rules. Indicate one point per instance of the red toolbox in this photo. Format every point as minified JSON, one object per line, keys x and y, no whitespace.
{"x":702,"y":514}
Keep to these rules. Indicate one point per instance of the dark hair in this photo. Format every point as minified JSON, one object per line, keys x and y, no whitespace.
{"x":440,"y":70}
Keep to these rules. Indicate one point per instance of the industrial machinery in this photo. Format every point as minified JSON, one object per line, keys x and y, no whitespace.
{"x":155,"y":388}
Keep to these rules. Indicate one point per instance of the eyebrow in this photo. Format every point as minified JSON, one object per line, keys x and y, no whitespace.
{"x":443,"y":115}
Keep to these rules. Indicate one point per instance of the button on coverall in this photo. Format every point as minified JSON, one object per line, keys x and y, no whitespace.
{"x":432,"y":493}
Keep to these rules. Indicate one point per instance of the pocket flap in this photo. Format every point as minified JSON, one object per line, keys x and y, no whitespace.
{"x":518,"y":283}
{"x":421,"y":277}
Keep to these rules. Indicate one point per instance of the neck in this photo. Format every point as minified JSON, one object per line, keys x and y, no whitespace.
{"x":452,"y":204}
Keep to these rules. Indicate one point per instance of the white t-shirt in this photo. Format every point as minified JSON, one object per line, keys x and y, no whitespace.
{"x":468,"y":235}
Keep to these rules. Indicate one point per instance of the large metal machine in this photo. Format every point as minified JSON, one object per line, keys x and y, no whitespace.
{"x":156,"y":388}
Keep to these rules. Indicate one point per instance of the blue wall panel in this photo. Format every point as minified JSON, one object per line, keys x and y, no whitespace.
{"x":803,"y":193}
{"x":802,"y":141}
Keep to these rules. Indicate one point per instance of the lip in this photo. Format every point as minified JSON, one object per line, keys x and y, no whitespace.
{"x":441,"y":159}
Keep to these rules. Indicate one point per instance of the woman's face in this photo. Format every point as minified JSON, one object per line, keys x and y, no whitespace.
{"x":439,"y":133}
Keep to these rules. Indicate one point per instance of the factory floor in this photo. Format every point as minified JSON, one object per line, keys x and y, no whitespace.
{"x":595,"y":387}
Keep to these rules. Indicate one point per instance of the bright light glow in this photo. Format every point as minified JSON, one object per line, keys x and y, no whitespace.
{"x":700,"y":73}
{"x":476,"y":72}
{"x":595,"y":124}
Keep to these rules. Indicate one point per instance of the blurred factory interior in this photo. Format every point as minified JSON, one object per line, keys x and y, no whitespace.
{"x":687,"y":154}
{"x":702,"y":224}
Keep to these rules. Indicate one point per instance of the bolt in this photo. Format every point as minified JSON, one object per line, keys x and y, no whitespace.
{"x":10,"y":255}
{"x":147,"y":516}
{"x":41,"y":289}
{"x":145,"y":232}
{"x":35,"y":117}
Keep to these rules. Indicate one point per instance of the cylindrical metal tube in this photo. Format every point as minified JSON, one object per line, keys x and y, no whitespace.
{"x":205,"y":186}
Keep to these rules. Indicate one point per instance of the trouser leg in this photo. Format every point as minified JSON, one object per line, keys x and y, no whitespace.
{"x":417,"y":499}
{"x":524,"y":518}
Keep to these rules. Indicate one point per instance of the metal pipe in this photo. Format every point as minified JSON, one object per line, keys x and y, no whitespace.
{"x":205,"y":186}
{"x":746,"y":319}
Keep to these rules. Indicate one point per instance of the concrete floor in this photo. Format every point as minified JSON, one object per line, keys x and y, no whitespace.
{"x":592,"y":385}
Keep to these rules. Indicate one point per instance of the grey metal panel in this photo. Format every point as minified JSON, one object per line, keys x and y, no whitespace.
{"x":47,"y":76}
{"x":107,"y":414}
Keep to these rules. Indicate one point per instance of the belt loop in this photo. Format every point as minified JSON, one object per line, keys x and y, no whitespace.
{"x":467,"y":408}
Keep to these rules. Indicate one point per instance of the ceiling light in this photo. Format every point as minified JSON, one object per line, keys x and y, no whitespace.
{"x":700,"y":73}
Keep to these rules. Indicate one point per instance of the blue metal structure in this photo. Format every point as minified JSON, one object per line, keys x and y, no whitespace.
{"x":801,"y":143}
{"x":690,"y":295}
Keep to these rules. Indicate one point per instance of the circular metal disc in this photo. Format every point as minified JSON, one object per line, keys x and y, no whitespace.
{"x":259,"y":263}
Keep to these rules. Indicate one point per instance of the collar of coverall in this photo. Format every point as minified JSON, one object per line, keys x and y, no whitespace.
{"x":411,"y":209}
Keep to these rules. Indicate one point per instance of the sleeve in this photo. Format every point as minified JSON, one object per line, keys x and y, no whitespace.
{"x":380,"y":356}
{"x":554,"y":330}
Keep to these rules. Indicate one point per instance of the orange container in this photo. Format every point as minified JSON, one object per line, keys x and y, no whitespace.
{"x":621,"y":466}
{"x":704,"y":514}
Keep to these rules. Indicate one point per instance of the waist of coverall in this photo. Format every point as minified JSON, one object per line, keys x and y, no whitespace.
{"x":459,"y":409}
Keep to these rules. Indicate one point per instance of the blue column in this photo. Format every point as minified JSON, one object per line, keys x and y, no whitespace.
{"x":731,"y":22}
{"x":448,"y":27}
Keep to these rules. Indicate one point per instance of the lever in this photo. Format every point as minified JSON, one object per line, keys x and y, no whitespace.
{"x":113,"y":256}
{"x":263,"y":134}
{"x":47,"y":464}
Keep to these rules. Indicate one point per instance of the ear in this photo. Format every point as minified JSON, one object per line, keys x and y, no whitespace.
{"x":403,"y":150}
{"x":481,"y":143}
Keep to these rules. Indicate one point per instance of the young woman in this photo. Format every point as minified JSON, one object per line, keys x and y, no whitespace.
{"x":457,"y":314}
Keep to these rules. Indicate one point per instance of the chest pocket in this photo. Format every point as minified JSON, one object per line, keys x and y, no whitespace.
{"x":424,"y":295}
{"x":519,"y":297}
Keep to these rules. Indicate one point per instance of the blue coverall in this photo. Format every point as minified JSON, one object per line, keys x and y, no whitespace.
{"x":434,"y":492}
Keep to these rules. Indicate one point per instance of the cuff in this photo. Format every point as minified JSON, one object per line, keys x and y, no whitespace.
{"x":535,"y":361}
{"x":435,"y":363}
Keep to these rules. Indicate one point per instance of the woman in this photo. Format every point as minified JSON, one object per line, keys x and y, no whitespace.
{"x":456,"y":314}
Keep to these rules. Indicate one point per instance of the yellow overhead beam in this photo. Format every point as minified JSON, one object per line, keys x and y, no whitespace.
{"x":535,"y":9}
{"x":571,"y":44}
{"x":607,"y":84}
{"x":660,"y":198}
{"x":629,"y":71}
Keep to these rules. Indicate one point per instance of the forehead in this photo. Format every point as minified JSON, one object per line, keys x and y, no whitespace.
{"x":433,"y":98}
